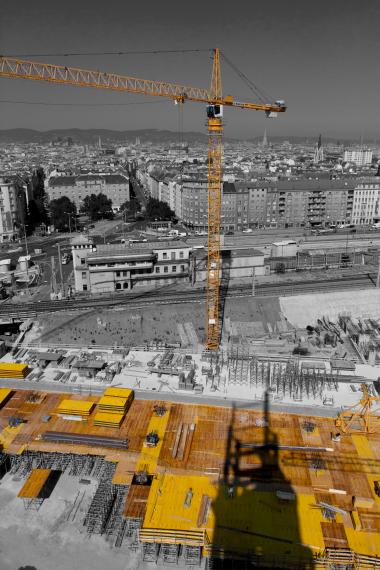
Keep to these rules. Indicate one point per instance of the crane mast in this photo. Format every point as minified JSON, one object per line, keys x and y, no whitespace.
{"x":213,"y":97}
{"x":214,"y":180}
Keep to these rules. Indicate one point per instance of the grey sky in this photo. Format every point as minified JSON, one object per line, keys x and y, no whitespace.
{"x":322,"y":57}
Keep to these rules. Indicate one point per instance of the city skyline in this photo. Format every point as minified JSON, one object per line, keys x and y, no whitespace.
{"x":319,"y":58}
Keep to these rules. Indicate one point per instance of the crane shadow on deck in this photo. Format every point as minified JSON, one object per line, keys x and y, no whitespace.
{"x":255,"y":511}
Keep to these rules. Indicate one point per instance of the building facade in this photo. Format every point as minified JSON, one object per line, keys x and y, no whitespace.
{"x":360,"y":156}
{"x":365,"y":207}
{"x":12,"y":210}
{"x":114,"y":267}
{"x":76,"y":188}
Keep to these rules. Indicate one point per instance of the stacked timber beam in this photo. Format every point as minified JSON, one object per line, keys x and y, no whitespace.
{"x":13,"y":370}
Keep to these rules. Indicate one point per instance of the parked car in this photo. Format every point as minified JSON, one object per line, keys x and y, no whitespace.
{"x":247,"y":231}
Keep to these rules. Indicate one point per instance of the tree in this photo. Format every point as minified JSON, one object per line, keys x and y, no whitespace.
{"x":97,"y":206}
{"x":157,"y":210}
{"x":60,"y":211}
{"x":280,"y":267}
{"x":130,"y":207}
{"x":37,"y":186}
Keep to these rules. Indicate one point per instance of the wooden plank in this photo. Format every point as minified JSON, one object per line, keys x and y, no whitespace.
{"x":176,"y":443}
{"x":183,"y":441}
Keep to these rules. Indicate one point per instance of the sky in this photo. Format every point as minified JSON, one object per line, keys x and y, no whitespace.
{"x":321,"y":56}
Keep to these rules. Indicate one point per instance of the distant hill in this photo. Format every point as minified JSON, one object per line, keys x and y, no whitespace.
{"x":89,"y":136}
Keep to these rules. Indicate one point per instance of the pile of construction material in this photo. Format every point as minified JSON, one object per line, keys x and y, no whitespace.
{"x":112,"y":407}
{"x":13,"y":370}
{"x":171,"y":363}
{"x":74,"y":409}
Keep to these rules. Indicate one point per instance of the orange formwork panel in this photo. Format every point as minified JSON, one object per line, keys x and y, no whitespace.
{"x":34,"y":484}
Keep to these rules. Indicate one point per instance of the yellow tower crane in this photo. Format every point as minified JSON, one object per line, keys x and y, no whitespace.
{"x":213,"y":97}
{"x":363,"y":417}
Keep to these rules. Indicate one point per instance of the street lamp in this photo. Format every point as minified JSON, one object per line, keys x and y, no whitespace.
{"x":69,"y":214}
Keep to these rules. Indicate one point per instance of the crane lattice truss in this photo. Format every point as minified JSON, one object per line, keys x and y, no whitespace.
{"x":363,"y":417}
{"x":213,"y":97}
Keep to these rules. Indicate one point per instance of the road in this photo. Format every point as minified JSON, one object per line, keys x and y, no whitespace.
{"x":177,"y":398}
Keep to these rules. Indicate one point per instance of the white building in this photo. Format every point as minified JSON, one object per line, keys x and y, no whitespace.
{"x":365,"y":207}
{"x":360,"y":156}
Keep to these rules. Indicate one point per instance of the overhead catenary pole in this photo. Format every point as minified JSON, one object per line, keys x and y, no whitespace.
{"x":60,"y":267}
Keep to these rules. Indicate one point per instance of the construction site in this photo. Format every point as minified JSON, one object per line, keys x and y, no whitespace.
{"x":194,"y":485}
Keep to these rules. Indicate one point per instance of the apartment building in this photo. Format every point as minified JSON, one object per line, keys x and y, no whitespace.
{"x":365,"y":207}
{"x":76,"y":188}
{"x":12,"y":209}
{"x":359,"y":156}
{"x":276,"y":204}
{"x":114,"y":267}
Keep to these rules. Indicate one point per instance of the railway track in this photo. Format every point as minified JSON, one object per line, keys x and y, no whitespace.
{"x":29,"y":310}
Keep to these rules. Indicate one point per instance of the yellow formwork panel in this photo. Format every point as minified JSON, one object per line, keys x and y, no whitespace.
{"x":13,"y":366}
{"x":4,"y":393}
{"x":251,"y":520}
{"x":75,"y":406}
{"x":119,"y":392}
{"x":362,"y":445}
{"x":149,"y":455}
{"x":363,"y":542}
{"x":8,"y":434}
{"x":113,"y":402}
{"x":108,"y":420}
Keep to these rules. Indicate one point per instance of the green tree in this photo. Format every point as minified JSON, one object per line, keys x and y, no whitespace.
{"x":60,"y":211}
{"x":97,"y":206}
{"x":157,"y":210}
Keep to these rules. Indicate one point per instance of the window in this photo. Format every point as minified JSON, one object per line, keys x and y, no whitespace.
{"x":174,"y":268}
{"x":172,"y":255}
{"x":84,"y":287}
{"x":181,"y":254}
{"x":164,"y":255}
{"x":125,"y":273}
{"x":157,"y":270}
{"x":182,"y":268}
{"x":117,"y":273}
{"x":118,"y":285}
{"x":84,"y":275}
{"x":125,"y":285}
{"x":166,"y":269}
{"x":83,"y":261}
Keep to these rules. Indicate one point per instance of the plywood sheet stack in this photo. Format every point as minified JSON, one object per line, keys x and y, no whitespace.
{"x":13,"y":370}
{"x":75,"y":408}
{"x":112,"y":407}
{"x":112,"y":420}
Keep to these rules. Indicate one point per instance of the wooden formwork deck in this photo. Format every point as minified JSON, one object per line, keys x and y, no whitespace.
{"x":207,"y":448}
